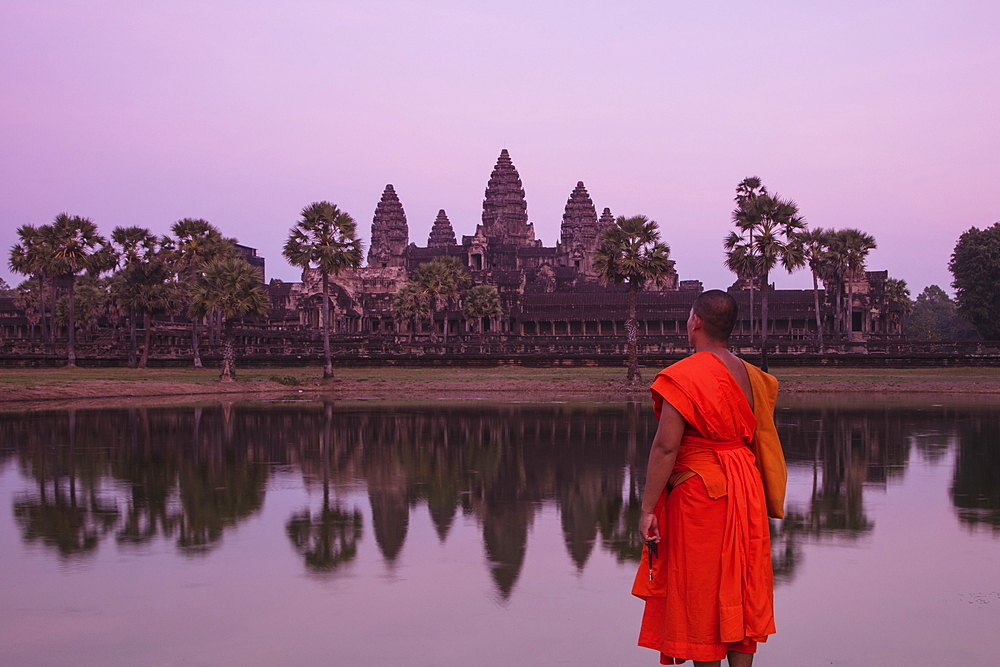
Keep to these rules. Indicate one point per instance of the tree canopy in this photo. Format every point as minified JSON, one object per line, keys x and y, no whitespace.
{"x":975,"y":264}
{"x":935,"y":318}
{"x":232,"y":288}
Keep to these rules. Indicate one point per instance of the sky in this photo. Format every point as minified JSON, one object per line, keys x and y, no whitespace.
{"x":871,"y":114}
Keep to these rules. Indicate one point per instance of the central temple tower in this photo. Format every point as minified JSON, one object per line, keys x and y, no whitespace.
{"x":505,"y":211}
{"x":389,"y":232}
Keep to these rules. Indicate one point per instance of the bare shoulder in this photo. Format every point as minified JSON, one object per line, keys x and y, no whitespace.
{"x":739,"y":373}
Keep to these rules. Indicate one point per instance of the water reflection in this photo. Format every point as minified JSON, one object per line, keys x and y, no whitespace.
{"x":852,"y":448}
{"x":975,"y":491}
{"x":330,"y":539}
{"x":191,"y":475}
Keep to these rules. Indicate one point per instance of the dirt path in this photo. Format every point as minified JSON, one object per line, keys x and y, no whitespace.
{"x":33,"y":389}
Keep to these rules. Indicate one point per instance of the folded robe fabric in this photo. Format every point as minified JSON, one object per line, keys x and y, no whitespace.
{"x":711,"y":588}
{"x":766,"y":446}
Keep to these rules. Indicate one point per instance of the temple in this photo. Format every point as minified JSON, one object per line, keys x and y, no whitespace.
{"x":553,"y":302}
{"x":553,"y":293}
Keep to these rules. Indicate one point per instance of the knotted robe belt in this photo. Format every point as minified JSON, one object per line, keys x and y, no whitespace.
{"x":727,"y":468}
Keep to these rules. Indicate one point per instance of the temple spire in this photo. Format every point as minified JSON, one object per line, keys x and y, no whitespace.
{"x":390,"y":234}
{"x":442,"y":234}
{"x":579,"y":223}
{"x":580,"y":232}
{"x":505,"y":211}
{"x":607,"y":220}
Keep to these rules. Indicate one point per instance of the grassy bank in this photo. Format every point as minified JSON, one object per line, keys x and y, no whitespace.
{"x":18,"y":386}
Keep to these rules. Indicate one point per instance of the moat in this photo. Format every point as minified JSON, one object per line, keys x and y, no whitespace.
{"x":470,"y":532}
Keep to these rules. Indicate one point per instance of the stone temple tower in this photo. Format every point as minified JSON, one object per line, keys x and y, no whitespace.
{"x":607,"y":220}
{"x":505,"y":211}
{"x":580,"y":230}
{"x":442,"y":234}
{"x":390,"y":235}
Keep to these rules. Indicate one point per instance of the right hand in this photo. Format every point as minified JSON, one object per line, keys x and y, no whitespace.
{"x":649,"y":528}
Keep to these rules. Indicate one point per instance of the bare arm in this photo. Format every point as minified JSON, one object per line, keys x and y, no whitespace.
{"x":661,"y":463}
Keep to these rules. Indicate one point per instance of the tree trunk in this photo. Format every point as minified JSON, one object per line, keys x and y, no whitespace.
{"x":764,"y":289}
{"x":71,"y":321}
{"x":132,"y":342}
{"x":146,"y":340}
{"x":838,"y":302}
{"x":52,"y":310}
{"x":819,"y":323}
{"x":195,"y":346}
{"x":752,"y":279}
{"x":46,"y":331}
{"x":228,"y":373}
{"x":327,"y":358}
{"x":432,"y":333}
{"x":632,"y":334}
{"x":850,"y":309}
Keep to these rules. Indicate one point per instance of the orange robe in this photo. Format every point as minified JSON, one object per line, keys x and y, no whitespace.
{"x":711,"y":589}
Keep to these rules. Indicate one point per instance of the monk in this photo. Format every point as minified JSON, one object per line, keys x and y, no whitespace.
{"x":715,"y":474}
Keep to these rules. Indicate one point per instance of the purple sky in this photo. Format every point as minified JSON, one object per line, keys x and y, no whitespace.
{"x":870,"y":114}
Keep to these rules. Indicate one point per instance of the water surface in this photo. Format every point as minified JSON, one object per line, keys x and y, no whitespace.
{"x":453,"y":533}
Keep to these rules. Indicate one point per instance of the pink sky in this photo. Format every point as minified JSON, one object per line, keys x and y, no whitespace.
{"x":870,"y":114}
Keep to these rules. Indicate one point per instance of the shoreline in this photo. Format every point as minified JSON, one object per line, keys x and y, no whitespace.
{"x":42,"y":388}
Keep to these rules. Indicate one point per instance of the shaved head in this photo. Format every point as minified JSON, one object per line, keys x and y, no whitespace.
{"x":717,"y":311}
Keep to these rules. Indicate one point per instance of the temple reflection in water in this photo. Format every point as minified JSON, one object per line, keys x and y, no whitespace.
{"x":192,"y":475}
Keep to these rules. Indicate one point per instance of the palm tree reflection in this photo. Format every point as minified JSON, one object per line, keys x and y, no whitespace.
{"x":847,"y":451}
{"x":327,"y":540}
{"x":190,"y":475}
{"x":330,"y":538}
{"x":63,"y":515}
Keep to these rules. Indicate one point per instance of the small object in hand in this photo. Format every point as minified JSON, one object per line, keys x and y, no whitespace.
{"x":652,"y":552}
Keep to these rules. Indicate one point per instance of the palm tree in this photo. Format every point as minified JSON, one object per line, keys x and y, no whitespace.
{"x":132,"y":246}
{"x":231,"y":288}
{"x":91,"y":299}
{"x":410,"y":304}
{"x":146,"y":287}
{"x":441,"y":282}
{"x":325,"y":238}
{"x":482,"y":301}
{"x":630,"y":252}
{"x":741,"y":260}
{"x":814,"y":244}
{"x":195,"y":242}
{"x":30,"y":257}
{"x":848,"y":250}
{"x":898,"y":296}
{"x":28,"y":296}
{"x":767,"y":228}
{"x":76,"y":247}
